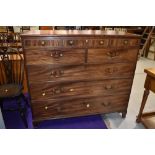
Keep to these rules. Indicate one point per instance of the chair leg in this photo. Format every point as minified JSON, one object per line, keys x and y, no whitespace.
{"x":22,"y":111}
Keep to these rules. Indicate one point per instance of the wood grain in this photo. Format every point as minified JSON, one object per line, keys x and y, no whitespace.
{"x":77,"y":73}
{"x":48,"y":90}
{"x":46,"y":109}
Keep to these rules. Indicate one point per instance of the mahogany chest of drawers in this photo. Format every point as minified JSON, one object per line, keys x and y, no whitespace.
{"x":75,"y":73}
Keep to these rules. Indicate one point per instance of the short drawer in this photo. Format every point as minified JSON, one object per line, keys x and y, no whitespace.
{"x":113,"y":55}
{"x":55,"y":56}
{"x":127,"y":42}
{"x":42,"y":73}
{"x":41,"y":42}
{"x":49,"y":109}
{"x":48,"y":90}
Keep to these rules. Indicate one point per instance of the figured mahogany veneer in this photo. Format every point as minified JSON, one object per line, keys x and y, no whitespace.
{"x":75,"y":73}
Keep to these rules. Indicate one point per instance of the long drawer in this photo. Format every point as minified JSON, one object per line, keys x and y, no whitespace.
{"x":48,"y":109}
{"x":81,"y":72}
{"x":112,"y":55}
{"x":48,"y":90}
{"x":68,"y":56}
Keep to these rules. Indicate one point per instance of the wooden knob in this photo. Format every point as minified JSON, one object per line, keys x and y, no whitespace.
{"x":58,"y":109}
{"x":42,"y":43}
{"x":61,"y":54}
{"x":71,"y":89}
{"x":46,"y":107}
{"x":43,"y":94}
{"x":106,"y":104}
{"x":6,"y":90}
{"x":57,"y":91}
{"x":108,"y":87}
{"x":125,"y":42}
{"x":87,"y":105}
{"x":101,"y":42}
{"x":71,"y":42}
{"x":61,"y":72}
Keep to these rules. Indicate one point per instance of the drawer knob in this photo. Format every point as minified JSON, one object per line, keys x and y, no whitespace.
{"x":125,"y":42}
{"x":101,"y":42}
{"x":42,"y":43}
{"x":87,"y":105}
{"x":46,"y":107}
{"x":6,"y":90}
{"x":113,"y":54}
{"x":57,"y":73}
{"x":57,"y":91}
{"x":86,"y":41}
{"x":71,"y":42}
{"x":58,"y":109}
{"x":106,"y":104}
{"x":108,"y":87}
{"x":56,"y":54}
{"x":111,"y":70}
{"x":43,"y":94}
{"x":71,"y":89}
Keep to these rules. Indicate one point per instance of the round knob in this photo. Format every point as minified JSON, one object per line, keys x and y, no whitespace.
{"x":43,"y":94}
{"x":46,"y":107}
{"x":42,"y":43}
{"x":101,"y":42}
{"x":125,"y":42}
{"x":108,"y":87}
{"x":51,"y":54}
{"x":57,"y":91}
{"x":86,"y":41}
{"x":105,"y":104}
{"x":61,"y":72}
{"x":61,"y":54}
{"x":58,"y":109}
{"x":6,"y":90}
{"x":71,"y":42}
{"x":71,"y":89}
{"x":87,"y":105}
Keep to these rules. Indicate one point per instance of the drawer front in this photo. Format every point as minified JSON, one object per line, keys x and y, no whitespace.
{"x":48,"y":90}
{"x":47,"y":73}
{"x":41,"y":42}
{"x":55,"y":56}
{"x":127,"y":42}
{"x":115,"y":55}
{"x":110,"y":71}
{"x":48,"y":109}
{"x":78,"y":42}
{"x":67,"y":42}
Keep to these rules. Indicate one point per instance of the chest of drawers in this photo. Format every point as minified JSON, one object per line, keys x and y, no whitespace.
{"x":77,"y":73}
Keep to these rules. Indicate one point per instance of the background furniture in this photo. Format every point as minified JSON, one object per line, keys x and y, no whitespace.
{"x":148,"y":119}
{"x":11,"y":80}
{"x":79,"y":73}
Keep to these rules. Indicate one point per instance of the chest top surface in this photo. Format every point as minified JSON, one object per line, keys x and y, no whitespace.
{"x":80,"y":33}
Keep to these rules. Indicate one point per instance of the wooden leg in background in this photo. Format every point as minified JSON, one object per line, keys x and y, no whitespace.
{"x":145,"y":96}
{"x":124,"y":114}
